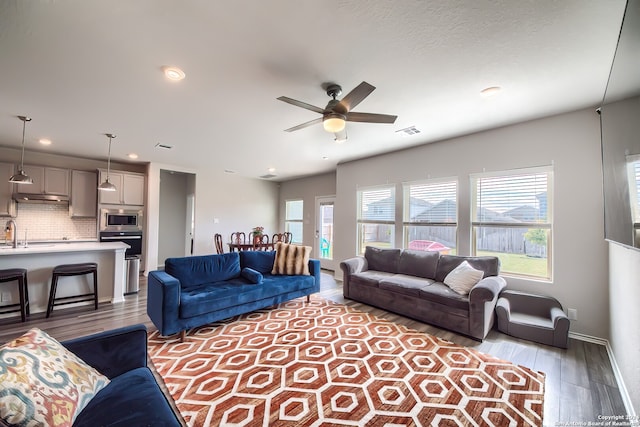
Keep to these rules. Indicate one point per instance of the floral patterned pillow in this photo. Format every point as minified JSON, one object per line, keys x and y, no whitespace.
{"x":43,"y":383}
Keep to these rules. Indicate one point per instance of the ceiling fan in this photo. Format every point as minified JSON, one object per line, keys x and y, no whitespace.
{"x":337,"y":113}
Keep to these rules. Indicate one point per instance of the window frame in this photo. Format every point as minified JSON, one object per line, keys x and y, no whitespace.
{"x":361,"y":222}
{"x":547,"y":225}
{"x":288,"y":221}
{"x":406,"y":208}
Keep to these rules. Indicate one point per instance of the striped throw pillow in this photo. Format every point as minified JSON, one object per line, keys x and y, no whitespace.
{"x":291,"y":259}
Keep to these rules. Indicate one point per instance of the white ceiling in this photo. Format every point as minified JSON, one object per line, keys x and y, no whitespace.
{"x":84,"y":68}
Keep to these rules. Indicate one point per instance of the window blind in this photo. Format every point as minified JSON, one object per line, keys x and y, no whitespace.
{"x":377,"y":205}
{"x":432,"y":202}
{"x":512,"y":198}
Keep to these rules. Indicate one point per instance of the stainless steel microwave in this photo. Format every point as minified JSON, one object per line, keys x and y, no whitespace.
{"x":120,"y":220}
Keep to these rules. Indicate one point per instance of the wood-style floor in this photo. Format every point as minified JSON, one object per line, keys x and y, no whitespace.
{"x":580,"y":384}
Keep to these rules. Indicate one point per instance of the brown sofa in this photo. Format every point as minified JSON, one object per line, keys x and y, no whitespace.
{"x":409,"y":282}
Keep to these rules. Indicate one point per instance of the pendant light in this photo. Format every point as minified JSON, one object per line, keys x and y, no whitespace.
{"x":106,"y":185}
{"x":21,"y":177}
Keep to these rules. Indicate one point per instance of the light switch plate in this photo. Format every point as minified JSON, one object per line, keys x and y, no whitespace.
{"x":572,"y":313}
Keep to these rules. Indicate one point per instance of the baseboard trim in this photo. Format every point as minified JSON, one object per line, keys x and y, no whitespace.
{"x":624,"y":393}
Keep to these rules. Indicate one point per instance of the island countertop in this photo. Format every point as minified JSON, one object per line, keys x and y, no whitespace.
{"x":39,"y":259}
{"x":42,"y":248}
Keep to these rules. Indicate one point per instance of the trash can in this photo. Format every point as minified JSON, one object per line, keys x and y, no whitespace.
{"x":132,"y":267}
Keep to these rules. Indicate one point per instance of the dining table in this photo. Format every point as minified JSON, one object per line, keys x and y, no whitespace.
{"x":250,"y":247}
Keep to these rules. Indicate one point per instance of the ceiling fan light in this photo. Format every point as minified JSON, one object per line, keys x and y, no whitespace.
{"x":333,"y":123}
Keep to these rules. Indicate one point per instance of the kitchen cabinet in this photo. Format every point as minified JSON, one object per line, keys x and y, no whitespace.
{"x":7,"y":205}
{"x":84,"y":194}
{"x":46,"y":180}
{"x":129,"y":188}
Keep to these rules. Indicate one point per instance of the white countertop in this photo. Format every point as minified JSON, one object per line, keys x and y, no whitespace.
{"x":41,"y":248}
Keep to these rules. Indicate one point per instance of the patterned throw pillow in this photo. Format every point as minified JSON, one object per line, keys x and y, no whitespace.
{"x":291,"y":259}
{"x":462,"y":278}
{"x":42,"y":383}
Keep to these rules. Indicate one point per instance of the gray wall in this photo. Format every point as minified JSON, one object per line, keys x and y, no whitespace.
{"x":307,"y":189}
{"x":173,"y":213}
{"x":571,"y":142}
{"x":237,"y":203}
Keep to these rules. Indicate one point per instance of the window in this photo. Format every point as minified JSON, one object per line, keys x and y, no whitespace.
{"x":293,"y":219}
{"x":376,"y":218}
{"x":512,"y":219}
{"x":430,"y":216}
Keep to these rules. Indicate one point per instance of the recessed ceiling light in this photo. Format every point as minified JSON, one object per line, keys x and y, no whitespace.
{"x":132,"y":155}
{"x":325,"y":158}
{"x":490,"y":91}
{"x":229,"y":171}
{"x":45,"y":141}
{"x":174,"y":73}
{"x":271,"y":170}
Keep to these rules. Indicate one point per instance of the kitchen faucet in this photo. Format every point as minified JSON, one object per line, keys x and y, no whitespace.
{"x":12,"y":223}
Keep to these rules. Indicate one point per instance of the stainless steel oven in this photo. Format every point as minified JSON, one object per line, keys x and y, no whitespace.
{"x":131,"y":238}
{"x":120,"y":220}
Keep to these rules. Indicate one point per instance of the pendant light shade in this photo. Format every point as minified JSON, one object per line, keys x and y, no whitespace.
{"x":21,"y":177}
{"x":106,"y":185}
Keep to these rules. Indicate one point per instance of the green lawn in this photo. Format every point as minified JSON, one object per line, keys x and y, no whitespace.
{"x":519,"y":264}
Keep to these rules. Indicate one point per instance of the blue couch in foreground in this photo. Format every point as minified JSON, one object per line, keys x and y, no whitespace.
{"x":133,"y":397}
{"x":196,"y":290}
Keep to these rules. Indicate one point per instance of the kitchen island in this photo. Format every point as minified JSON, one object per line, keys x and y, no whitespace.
{"x":40,"y":258}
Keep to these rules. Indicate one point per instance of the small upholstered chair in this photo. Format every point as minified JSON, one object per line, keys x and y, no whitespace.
{"x":532,"y":317}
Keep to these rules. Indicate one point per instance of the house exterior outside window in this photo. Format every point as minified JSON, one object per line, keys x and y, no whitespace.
{"x":294,"y":219}
{"x":430,"y":215}
{"x":512,"y":219}
{"x":376,"y":218}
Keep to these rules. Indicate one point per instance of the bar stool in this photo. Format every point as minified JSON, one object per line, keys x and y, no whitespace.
{"x":19,"y":275}
{"x":73,"y":270}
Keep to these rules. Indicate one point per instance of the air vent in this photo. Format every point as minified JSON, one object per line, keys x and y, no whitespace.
{"x":267,"y":176}
{"x":411,"y":130}
{"x":164,"y":146}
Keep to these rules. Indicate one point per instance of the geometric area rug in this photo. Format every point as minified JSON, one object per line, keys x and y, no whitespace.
{"x":326,"y":364}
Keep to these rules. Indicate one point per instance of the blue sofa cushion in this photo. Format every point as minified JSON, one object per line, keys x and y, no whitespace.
{"x":251,"y":275}
{"x":261,"y":261}
{"x":231,"y":293}
{"x":194,"y":271}
{"x":131,"y":399}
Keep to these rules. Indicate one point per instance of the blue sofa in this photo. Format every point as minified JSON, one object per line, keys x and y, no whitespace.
{"x":193,"y":291}
{"x":133,"y":397}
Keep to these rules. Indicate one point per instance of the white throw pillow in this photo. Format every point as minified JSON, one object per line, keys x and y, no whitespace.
{"x":462,"y":278}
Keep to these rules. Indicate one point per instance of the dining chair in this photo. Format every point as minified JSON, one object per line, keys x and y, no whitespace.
{"x":217,"y":238}
{"x":288,"y":237}
{"x":238,"y":237}
{"x":277,"y":237}
{"x":261,"y":243}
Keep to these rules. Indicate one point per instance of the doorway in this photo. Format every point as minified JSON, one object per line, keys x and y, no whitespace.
{"x":324,"y":232}
{"x":176,"y":214}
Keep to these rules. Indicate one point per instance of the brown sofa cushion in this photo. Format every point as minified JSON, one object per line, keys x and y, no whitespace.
{"x":382,"y":259}
{"x":489,"y":264}
{"x":418,"y":263}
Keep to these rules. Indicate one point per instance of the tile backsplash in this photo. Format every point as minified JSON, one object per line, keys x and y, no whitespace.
{"x":51,"y":222}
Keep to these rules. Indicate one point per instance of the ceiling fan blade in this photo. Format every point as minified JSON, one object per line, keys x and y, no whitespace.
{"x":371,"y":118}
{"x":301,"y":104}
{"x":304,"y":125}
{"x":356,"y":96}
